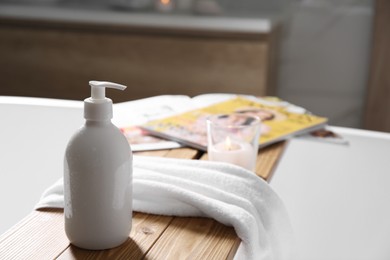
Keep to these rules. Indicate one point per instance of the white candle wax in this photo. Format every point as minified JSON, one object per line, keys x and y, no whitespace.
{"x":238,"y":153}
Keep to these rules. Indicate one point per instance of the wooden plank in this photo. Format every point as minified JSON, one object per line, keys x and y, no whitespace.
{"x":40,"y":235}
{"x":145,"y":230}
{"x":35,"y":234}
{"x":268,"y":159}
{"x":159,"y":153}
{"x":184,"y":153}
{"x":195,"y":238}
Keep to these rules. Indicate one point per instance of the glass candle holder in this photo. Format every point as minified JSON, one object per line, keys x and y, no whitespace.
{"x":164,"y":6}
{"x":234,"y":138}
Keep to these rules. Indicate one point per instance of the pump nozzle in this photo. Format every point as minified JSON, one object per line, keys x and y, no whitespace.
{"x":98,"y":107}
{"x":98,"y":88}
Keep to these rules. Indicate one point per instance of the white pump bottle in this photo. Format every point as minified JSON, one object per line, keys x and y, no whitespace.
{"x":98,"y":177}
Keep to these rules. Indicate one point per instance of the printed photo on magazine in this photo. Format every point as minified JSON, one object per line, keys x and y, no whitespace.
{"x":278,"y":121}
{"x":325,"y":135}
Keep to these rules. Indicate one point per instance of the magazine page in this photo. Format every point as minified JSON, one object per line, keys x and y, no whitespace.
{"x":129,"y":115}
{"x":137,"y":112}
{"x":279,"y":120}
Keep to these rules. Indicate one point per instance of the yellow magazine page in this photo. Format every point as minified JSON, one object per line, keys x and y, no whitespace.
{"x":277,"y":122}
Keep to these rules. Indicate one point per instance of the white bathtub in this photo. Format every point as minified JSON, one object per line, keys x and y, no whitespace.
{"x":33,"y":136}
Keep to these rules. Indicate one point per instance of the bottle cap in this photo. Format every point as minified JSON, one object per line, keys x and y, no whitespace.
{"x":98,"y":107}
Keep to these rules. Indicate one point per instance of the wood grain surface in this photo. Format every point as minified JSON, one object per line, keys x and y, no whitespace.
{"x":377,"y":111}
{"x":56,"y":60}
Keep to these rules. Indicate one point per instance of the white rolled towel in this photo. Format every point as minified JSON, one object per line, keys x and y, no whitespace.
{"x":227,"y":193}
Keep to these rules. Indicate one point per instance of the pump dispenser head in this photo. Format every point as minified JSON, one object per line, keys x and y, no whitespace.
{"x":98,"y":107}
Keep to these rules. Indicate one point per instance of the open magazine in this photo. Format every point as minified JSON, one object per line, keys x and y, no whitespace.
{"x":280,"y":120}
{"x":129,"y":115}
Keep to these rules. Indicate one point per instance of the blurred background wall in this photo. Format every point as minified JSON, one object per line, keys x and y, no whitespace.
{"x":322,"y":59}
{"x":325,"y":58}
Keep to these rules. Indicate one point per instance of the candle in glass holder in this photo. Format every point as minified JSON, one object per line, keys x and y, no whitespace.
{"x":238,"y":153}
{"x":234,"y":139}
{"x":164,"y":5}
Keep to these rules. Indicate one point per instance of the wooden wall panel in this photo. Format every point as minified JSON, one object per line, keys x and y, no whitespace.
{"x":377,"y":113}
{"x":58,"y":62}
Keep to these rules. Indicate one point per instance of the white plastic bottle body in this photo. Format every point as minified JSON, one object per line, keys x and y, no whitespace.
{"x":98,"y":187}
